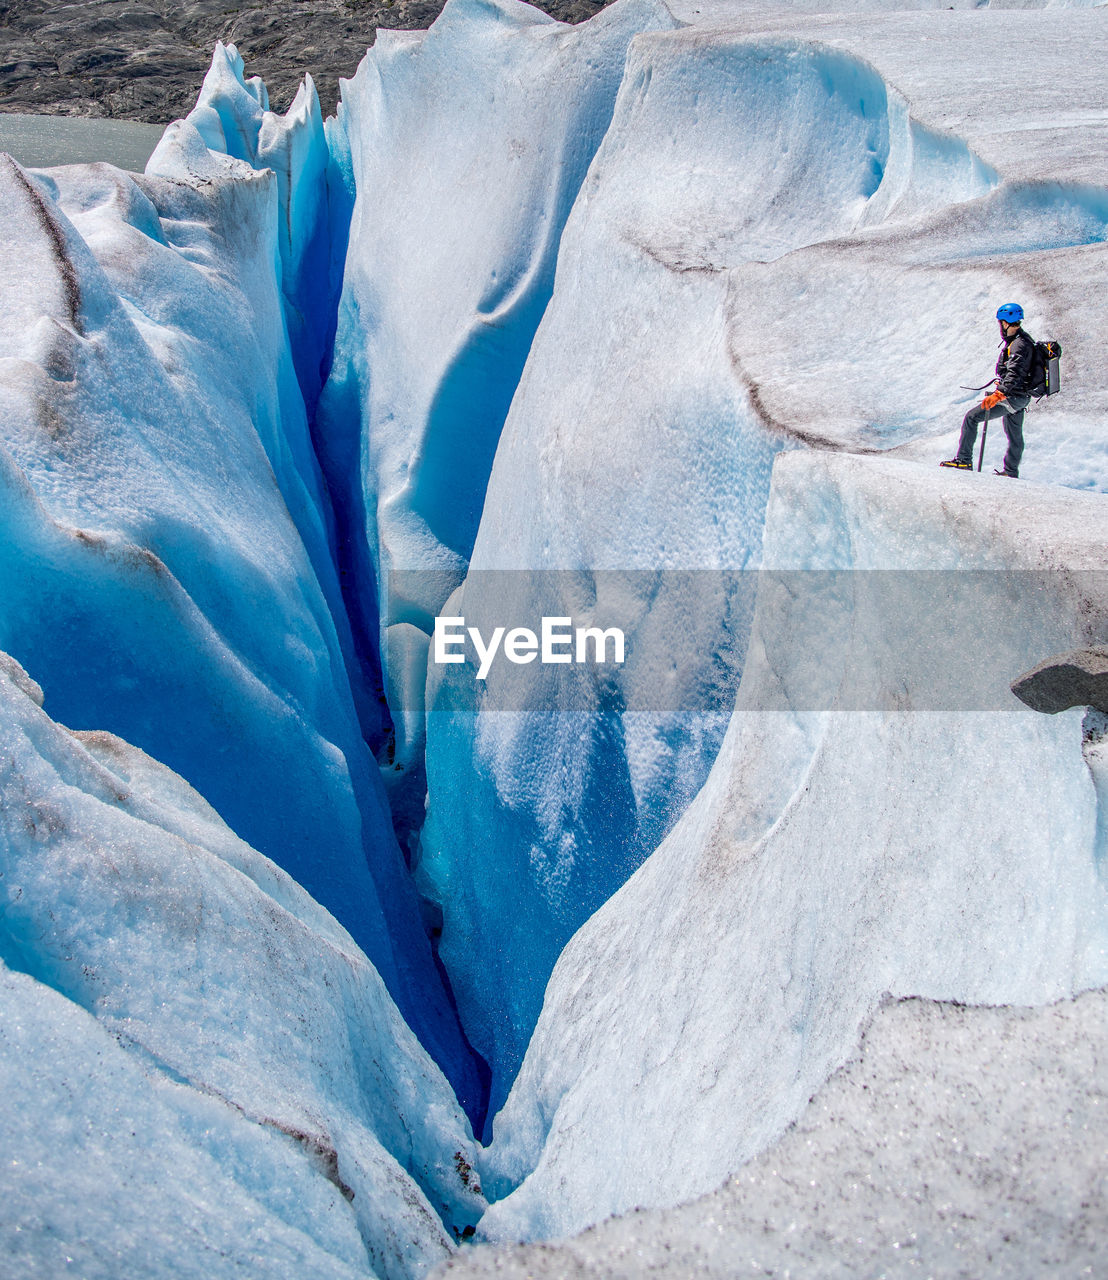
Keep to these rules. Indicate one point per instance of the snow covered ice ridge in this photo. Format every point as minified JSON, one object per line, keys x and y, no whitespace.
{"x":774,"y":247}
{"x":541,"y":303}
{"x":833,"y":856}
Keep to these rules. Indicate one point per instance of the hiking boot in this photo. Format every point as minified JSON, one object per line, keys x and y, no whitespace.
{"x":957,"y":464}
{"x":1012,"y":475}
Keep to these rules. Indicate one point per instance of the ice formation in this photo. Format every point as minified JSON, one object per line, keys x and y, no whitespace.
{"x":871,"y":825}
{"x":473,"y":139}
{"x":609,"y":322}
{"x":181,"y":1013}
{"x":774,"y":247}
{"x":162,"y":483}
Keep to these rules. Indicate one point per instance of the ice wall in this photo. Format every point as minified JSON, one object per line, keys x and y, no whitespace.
{"x":181,"y":1017}
{"x":842,"y":848}
{"x":639,"y":440}
{"x":233,"y":118}
{"x":165,"y":559}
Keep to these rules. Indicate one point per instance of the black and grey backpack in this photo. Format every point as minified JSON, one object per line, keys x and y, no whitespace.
{"x":1046,"y":377}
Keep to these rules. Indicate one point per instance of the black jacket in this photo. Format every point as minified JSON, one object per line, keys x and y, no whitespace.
{"x":1013,"y":366}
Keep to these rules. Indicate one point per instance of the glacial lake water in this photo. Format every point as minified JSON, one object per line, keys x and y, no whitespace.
{"x":38,"y":141}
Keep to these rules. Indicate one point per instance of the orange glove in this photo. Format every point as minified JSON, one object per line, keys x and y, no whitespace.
{"x":992,"y":400}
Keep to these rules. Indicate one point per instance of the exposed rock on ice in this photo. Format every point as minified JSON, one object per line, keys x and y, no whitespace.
{"x":115,"y":59}
{"x":1075,"y":679}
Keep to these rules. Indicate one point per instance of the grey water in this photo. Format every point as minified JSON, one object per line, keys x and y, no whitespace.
{"x":40,"y":141}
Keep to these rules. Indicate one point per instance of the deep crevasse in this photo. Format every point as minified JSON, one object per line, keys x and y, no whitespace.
{"x":459,"y":153}
{"x":166,"y":569}
{"x":464,"y":147}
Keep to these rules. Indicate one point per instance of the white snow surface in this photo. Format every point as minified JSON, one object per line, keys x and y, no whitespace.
{"x":181,"y":1017}
{"x":957,"y":1142}
{"x":111,"y":1169}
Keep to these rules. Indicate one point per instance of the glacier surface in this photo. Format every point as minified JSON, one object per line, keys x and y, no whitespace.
{"x":841,"y":849}
{"x":656,"y":321}
{"x":776,"y":246}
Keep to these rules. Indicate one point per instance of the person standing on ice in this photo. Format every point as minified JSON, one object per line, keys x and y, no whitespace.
{"x":1013,"y":379}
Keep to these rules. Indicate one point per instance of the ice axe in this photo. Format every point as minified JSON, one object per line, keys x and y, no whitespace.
{"x":984,"y":433}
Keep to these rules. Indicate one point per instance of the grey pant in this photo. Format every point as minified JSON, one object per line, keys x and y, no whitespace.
{"x":1010,"y":412}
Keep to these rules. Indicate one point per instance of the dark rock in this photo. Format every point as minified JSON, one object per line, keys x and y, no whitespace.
{"x":1076,"y":679}
{"x":146,"y":62}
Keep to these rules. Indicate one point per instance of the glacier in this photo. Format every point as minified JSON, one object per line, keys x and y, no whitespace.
{"x":643,"y":442}
{"x":657,"y":321}
{"x":672,"y":366}
{"x":715,"y":991}
{"x":631,"y":1047}
{"x":474,"y":139}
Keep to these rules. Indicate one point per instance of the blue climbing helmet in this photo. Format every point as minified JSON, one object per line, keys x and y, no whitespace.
{"x":1010,"y":313}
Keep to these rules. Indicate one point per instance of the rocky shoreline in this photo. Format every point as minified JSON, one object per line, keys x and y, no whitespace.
{"x":145,"y":61}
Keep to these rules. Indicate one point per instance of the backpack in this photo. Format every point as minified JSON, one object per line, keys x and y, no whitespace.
{"x":1045,"y":377}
